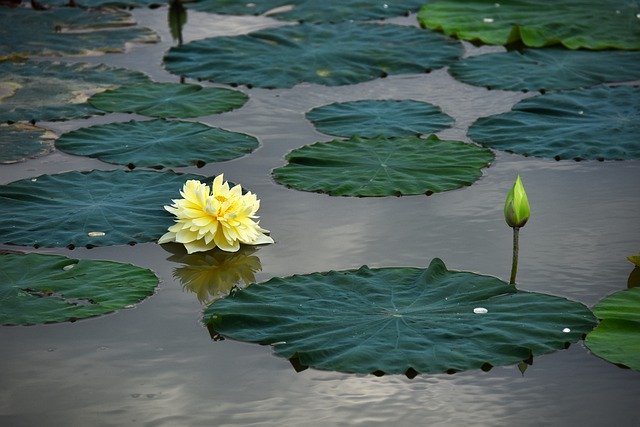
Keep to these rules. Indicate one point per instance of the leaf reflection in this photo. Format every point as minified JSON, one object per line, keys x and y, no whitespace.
{"x":213,"y":274}
{"x":177,"y":18}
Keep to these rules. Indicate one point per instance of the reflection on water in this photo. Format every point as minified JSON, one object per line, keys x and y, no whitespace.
{"x":213,"y":274}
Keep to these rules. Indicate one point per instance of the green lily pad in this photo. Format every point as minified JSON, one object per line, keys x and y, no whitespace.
{"x":634,"y":259}
{"x":547,"y":69}
{"x":38,"y":288}
{"x":169,"y":100}
{"x":370,"y":118}
{"x":617,"y":337}
{"x":21,"y":141}
{"x":127,"y":4}
{"x":327,"y":54}
{"x":48,"y":91}
{"x":589,"y":24}
{"x":383,"y":167}
{"x":67,"y":31}
{"x":599,"y":123}
{"x":157,"y":143}
{"x":312,"y":10}
{"x":399,"y":320}
{"x":96,"y":208}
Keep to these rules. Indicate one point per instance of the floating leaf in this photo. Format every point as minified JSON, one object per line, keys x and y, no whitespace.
{"x":398,"y":320}
{"x":383,"y":167}
{"x":157,"y":143}
{"x":590,"y":24}
{"x":169,"y":100}
{"x":128,"y":4}
{"x":545,"y":69}
{"x":329,"y":54}
{"x":634,"y":259}
{"x":312,"y":10}
{"x":370,"y":118}
{"x":67,"y":31}
{"x":48,"y":91}
{"x":38,"y":288}
{"x":96,"y":208}
{"x":599,"y":123}
{"x":617,"y":337}
{"x":21,"y":141}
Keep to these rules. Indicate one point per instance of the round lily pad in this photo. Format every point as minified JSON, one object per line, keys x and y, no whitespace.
{"x":312,"y":10}
{"x":157,"y":143}
{"x":370,"y":118}
{"x":599,"y":123}
{"x":96,"y":208}
{"x":20,"y":141}
{"x":617,"y":337}
{"x":399,"y":320}
{"x":48,"y":91}
{"x":547,"y":69}
{"x":383,"y":167}
{"x":328,"y":54}
{"x":67,"y":31}
{"x":38,"y":288}
{"x":169,"y":100}
{"x":590,"y":24}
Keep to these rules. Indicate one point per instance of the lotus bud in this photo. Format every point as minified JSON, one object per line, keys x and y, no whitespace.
{"x":516,"y":207}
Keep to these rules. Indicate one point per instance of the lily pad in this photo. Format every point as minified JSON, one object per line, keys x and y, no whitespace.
{"x":370,"y":118}
{"x":383,"y":167}
{"x":49,"y":288}
{"x":96,"y":208}
{"x":48,"y":91}
{"x":312,"y":10}
{"x":599,"y":123}
{"x":157,"y":143}
{"x":547,"y":69}
{"x":21,"y":141}
{"x":327,"y":54}
{"x":169,"y":100}
{"x":399,"y":320}
{"x":617,"y":337}
{"x":67,"y":31}
{"x":589,"y":24}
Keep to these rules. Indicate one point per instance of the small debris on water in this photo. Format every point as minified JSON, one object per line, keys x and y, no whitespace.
{"x":480,"y":310}
{"x":96,"y":233}
{"x":566,"y":330}
{"x":68,"y":267}
{"x":487,"y":20}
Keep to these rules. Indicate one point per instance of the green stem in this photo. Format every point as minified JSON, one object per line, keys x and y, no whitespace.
{"x":514,"y":263}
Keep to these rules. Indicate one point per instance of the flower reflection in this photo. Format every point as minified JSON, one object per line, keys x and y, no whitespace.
{"x":211,"y":275}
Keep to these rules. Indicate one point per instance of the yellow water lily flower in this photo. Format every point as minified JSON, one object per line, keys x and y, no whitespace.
{"x":219,"y":216}
{"x":516,"y":207}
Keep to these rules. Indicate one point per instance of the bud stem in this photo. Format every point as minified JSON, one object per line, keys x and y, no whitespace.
{"x":514,"y":263}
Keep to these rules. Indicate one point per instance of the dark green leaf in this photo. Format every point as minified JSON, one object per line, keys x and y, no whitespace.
{"x":38,"y":288}
{"x":398,"y":320}
{"x":329,"y":54}
{"x":383,"y":167}
{"x":590,"y":24}
{"x":599,"y":123}
{"x":157,"y":143}
{"x":169,"y":100}
{"x":388,"y":118}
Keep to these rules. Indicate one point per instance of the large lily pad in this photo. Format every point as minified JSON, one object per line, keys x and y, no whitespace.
{"x":590,"y":24}
{"x":38,"y":288}
{"x":544,"y":69}
{"x":370,"y":118}
{"x":157,"y":143}
{"x":48,"y":91}
{"x":169,"y":100}
{"x":96,"y":208}
{"x":617,"y":337}
{"x":383,"y":167}
{"x":399,"y":320}
{"x":599,"y":123}
{"x":328,"y":54}
{"x":67,"y":31}
{"x":20,"y":141}
{"x":312,"y":10}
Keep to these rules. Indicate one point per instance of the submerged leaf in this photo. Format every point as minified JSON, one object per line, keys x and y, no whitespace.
{"x":20,"y":141}
{"x":398,"y":320}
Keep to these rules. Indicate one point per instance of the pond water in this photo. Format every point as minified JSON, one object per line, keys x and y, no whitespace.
{"x":156,"y":365}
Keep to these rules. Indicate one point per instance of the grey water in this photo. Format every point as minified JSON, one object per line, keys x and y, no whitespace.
{"x":155,"y":364}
